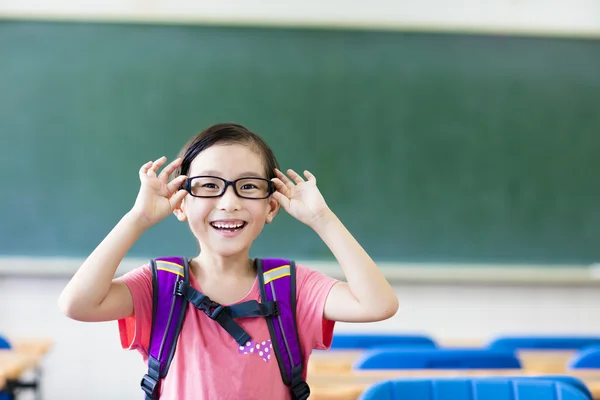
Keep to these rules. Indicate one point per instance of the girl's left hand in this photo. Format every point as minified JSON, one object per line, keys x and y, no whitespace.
{"x":301,"y":199}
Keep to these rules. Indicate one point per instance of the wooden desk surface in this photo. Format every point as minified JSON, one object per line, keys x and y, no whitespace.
{"x":14,"y":364}
{"x":2,"y":381}
{"x":36,"y":347}
{"x":350,"y":385}
{"x":540,"y":361}
{"x":545,"y":361}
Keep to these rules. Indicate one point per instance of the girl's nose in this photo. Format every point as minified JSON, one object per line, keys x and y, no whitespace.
{"x":229,"y":201}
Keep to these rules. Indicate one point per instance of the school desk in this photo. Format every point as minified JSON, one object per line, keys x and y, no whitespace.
{"x":35,"y":350}
{"x":35,"y":347}
{"x":545,"y":361}
{"x":14,"y":364}
{"x":2,"y":381}
{"x":342,"y":360}
{"x":540,"y":361}
{"x":350,"y":385}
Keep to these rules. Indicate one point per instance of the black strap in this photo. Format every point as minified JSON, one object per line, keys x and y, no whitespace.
{"x":253,"y":308}
{"x":298,"y":387}
{"x":224,"y":315}
{"x":150,"y":381}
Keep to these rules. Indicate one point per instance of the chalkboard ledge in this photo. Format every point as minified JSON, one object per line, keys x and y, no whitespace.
{"x":396,"y":273}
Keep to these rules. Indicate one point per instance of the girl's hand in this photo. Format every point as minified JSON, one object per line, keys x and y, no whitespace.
{"x":301,"y":199}
{"x":158,"y":198}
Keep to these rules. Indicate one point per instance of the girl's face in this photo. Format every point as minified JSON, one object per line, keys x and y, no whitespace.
{"x":227,"y":225}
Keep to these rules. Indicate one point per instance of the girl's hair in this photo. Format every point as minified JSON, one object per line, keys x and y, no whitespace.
{"x":226,"y":133}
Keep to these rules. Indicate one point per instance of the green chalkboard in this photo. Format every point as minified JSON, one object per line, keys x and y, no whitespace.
{"x":429,"y":146}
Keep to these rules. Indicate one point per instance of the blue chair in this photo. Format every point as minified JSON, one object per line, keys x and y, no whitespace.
{"x":423,"y":358}
{"x":586,"y":358}
{"x":472,"y":389}
{"x":4,"y":344}
{"x":543,"y":342}
{"x":567,"y":379}
{"x":345,"y":341}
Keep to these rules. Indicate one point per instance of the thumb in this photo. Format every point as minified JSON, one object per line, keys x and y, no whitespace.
{"x":282,"y":200}
{"x":177,"y":198}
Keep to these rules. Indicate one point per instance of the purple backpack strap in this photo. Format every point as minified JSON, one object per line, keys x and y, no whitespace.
{"x":277,"y":278}
{"x":167,"y":319}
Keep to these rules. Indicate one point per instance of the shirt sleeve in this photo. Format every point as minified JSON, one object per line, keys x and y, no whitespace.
{"x":134,"y":331}
{"x":312,"y":289}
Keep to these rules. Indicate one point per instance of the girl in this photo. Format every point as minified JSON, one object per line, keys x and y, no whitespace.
{"x":208,"y":363}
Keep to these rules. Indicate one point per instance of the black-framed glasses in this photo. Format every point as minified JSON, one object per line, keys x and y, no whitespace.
{"x":213,"y":186}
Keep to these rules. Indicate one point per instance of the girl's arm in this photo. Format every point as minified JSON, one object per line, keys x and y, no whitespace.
{"x":92,"y":294}
{"x":367,"y":296}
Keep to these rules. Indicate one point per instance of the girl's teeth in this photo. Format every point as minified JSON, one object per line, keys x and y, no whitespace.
{"x":227,"y":226}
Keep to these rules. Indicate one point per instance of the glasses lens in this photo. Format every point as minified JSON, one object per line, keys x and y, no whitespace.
{"x":253,"y":188}
{"x":206,"y":186}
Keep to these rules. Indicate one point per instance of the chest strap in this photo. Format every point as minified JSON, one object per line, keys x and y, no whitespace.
{"x":224,"y":315}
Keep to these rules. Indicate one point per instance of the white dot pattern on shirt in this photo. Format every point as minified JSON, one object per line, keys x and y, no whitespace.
{"x":262,"y":349}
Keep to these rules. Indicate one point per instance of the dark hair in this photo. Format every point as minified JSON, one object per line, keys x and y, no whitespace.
{"x":226,"y":133}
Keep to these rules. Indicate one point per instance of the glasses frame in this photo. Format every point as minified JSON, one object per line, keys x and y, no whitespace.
{"x":187,"y":186}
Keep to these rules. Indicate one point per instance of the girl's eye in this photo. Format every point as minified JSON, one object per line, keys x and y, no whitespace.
{"x":248,"y":186}
{"x":210,"y":186}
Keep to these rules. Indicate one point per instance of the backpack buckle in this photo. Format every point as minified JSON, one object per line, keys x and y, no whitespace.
{"x":300,"y":391}
{"x":213,"y":310}
{"x":276,"y":310}
{"x":149,"y":386}
{"x":179,"y":287}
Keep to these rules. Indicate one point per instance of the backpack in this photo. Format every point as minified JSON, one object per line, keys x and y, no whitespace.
{"x":172,"y":292}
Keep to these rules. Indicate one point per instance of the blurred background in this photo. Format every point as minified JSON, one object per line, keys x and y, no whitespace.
{"x":457,"y":141}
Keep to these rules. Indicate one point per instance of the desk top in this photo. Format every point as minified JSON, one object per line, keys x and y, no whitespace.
{"x":13,"y":364}
{"x":36,"y":347}
{"x":25,"y":355}
{"x":2,"y":381}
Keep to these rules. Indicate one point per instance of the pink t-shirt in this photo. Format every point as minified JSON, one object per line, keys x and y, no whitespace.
{"x":208,"y":363}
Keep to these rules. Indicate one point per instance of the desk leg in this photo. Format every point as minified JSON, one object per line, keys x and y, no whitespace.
{"x":38,"y":380}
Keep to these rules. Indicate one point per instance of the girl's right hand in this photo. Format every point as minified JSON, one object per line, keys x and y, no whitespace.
{"x":158,"y":198}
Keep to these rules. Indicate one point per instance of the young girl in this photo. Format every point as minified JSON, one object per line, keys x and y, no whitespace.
{"x":208,"y":363}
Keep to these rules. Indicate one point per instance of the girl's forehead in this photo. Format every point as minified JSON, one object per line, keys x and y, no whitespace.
{"x":230,"y":159}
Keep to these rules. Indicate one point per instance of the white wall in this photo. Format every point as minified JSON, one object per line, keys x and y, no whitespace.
{"x":579,"y":17}
{"x":87,"y":363}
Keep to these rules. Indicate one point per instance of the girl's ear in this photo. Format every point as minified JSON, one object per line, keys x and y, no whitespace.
{"x":179,"y":212}
{"x":273,"y":209}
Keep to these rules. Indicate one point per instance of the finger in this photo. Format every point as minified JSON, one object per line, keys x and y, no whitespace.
{"x":177,"y":198}
{"x":169,"y":169}
{"x":176,"y":183}
{"x":310,"y":176}
{"x":284,"y":178}
{"x":282,"y":200}
{"x":156,"y":165}
{"x":280,"y":186}
{"x":297,"y":178}
{"x":144,"y":169}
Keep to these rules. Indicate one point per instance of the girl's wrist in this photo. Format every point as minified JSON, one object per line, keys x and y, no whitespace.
{"x":324,"y":220}
{"x":136,"y":221}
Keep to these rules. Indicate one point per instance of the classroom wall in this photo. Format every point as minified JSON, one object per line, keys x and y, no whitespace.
{"x":549,"y":16}
{"x":87,"y":362}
